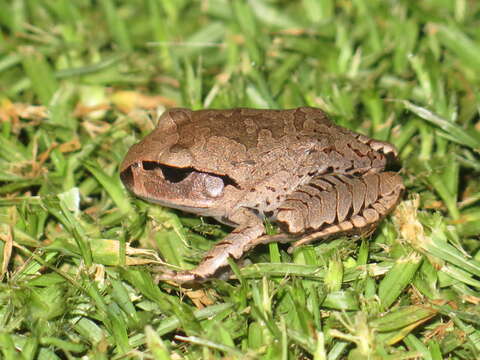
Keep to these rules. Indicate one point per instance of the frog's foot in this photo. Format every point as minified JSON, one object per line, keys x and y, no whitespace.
{"x":190,"y":277}
{"x":215,"y":263}
{"x":334,"y":204}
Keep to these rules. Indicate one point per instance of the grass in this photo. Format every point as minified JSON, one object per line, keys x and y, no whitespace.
{"x":78,"y":80}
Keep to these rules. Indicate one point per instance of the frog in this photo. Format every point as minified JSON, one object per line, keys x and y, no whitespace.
{"x":241,"y":166}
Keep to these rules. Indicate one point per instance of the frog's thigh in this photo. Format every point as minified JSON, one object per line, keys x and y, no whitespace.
{"x":331,"y":204}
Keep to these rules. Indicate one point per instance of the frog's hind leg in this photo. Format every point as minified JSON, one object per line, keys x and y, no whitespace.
{"x":334,"y":204}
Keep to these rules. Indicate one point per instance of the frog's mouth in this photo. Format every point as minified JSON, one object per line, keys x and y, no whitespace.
{"x":184,"y":188}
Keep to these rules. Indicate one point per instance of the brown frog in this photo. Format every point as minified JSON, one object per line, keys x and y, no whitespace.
{"x":312,"y":177}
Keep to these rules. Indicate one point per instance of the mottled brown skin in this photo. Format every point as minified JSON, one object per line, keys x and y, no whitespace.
{"x":296,"y":167}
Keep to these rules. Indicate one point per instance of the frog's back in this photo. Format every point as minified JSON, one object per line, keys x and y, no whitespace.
{"x":247,"y":127}
{"x":241,"y":141}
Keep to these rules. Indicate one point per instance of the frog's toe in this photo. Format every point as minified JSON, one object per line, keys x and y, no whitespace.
{"x":179,"y":277}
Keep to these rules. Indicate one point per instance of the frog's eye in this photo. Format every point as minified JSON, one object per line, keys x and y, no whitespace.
{"x":182,"y":186}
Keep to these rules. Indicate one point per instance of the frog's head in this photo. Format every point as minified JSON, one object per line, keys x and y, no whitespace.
{"x":160,"y":170}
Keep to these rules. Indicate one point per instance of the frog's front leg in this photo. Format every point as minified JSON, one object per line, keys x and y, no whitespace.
{"x":234,"y":245}
{"x":334,"y":204}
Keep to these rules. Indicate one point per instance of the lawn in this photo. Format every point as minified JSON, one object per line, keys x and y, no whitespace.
{"x":81,"y":81}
